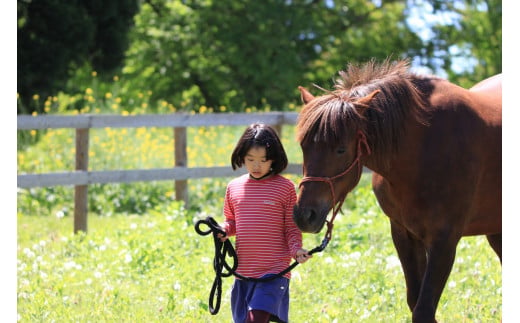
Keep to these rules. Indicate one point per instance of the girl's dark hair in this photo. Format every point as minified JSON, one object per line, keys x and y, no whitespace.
{"x":260,"y":135}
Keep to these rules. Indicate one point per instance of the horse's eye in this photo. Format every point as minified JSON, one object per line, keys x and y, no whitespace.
{"x":340,"y":150}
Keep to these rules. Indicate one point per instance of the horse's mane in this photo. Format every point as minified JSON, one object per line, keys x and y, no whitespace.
{"x":336,"y":115}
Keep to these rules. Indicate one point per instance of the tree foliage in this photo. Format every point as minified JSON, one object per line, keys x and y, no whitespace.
{"x":471,"y":35}
{"x":252,"y":53}
{"x":58,"y":37}
{"x":242,"y":54}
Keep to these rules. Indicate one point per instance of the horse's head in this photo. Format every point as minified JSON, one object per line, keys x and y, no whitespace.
{"x":332,"y":138}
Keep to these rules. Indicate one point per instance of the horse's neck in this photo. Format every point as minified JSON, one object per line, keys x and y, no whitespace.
{"x":399,"y":163}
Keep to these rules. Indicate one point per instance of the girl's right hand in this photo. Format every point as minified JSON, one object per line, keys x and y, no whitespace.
{"x":222,"y":237}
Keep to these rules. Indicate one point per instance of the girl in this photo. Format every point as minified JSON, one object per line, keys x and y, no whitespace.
{"x":258,"y":208}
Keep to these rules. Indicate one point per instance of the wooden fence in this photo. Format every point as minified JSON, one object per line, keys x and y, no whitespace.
{"x":81,"y":177}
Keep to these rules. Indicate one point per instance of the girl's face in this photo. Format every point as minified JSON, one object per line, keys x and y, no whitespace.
{"x":256,"y":163}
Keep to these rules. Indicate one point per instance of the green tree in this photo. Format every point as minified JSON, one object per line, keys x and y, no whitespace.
{"x":58,"y":37}
{"x":361,"y":31}
{"x":255,"y":53}
{"x":240,"y":54}
{"x":471,"y":33}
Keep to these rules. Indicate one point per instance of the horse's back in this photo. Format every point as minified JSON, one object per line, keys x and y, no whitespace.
{"x":458,"y":168}
{"x":483,"y":150}
{"x":488,"y":96}
{"x":492,"y":85}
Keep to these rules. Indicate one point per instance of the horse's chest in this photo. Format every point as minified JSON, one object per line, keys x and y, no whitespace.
{"x":400,"y":205}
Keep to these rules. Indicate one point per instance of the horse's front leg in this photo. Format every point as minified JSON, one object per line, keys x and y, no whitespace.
{"x":412,"y":255}
{"x":441,"y":255}
{"x":495,"y":241}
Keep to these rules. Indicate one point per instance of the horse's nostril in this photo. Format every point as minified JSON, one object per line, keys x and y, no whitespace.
{"x":306,"y":218}
{"x":312,"y":216}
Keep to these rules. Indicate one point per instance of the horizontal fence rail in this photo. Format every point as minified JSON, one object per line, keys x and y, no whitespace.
{"x":127,"y":176}
{"x":177,"y":120}
{"x":174,"y":120}
{"x":81,"y":177}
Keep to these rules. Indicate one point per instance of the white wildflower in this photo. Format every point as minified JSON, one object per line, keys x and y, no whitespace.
{"x":392,"y":262}
{"x":355,"y":255}
{"x":28,"y":252}
{"x":69,"y":264}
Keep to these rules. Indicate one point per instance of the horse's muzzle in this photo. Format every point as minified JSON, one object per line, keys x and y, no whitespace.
{"x":308,"y":219}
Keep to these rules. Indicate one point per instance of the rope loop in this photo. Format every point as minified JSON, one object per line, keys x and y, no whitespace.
{"x":224,"y":250}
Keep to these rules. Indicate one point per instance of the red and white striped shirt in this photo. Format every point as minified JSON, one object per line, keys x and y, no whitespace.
{"x":259,"y":213}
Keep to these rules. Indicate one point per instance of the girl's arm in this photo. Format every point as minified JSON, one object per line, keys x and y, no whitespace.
{"x":229,"y":224}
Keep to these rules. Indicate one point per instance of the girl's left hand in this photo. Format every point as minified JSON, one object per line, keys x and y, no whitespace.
{"x":302,"y":256}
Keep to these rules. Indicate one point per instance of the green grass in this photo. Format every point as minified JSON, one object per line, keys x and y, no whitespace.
{"x":156,"y":268}
{"x":142,"y":260}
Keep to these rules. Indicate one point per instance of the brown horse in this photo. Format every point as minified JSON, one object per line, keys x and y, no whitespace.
{"x":435,"y":150}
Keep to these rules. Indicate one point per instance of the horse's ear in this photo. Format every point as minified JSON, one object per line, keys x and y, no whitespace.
{"x":365,"y":101}
{"x":305,"y":95}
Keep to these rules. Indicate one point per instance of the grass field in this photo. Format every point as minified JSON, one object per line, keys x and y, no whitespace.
{"x":156,"y":268}
{"x":142,"y":261}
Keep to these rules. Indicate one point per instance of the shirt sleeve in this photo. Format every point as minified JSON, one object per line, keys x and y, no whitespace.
{"x":229,"y":213}
{"x":292,"y":232}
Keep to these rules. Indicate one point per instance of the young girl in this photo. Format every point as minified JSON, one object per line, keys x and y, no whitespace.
{"x":258,"y":207}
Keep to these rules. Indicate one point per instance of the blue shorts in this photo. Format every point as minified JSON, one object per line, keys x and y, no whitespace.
{"x":271,"y":296}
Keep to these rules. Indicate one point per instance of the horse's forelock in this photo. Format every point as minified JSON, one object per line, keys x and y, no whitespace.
{"x":324,"y":119}
{"x":369,"y":73}
{"x":334,"y":116}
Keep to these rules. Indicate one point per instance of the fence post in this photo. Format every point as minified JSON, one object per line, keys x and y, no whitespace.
{"x":81,"y":191}
{"x":181,"y":160}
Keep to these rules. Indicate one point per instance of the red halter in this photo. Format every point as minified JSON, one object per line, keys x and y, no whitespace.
{"x":362,"y":140}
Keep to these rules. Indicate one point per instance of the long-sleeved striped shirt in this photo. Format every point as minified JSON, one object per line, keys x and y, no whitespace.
{"x":259,"y":213}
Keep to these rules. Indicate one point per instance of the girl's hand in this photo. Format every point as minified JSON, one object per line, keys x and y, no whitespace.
{"x":222,"y":237}
{"x":302,"y":256}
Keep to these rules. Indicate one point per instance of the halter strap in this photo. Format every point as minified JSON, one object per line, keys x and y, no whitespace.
{"x":336,"y":207}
